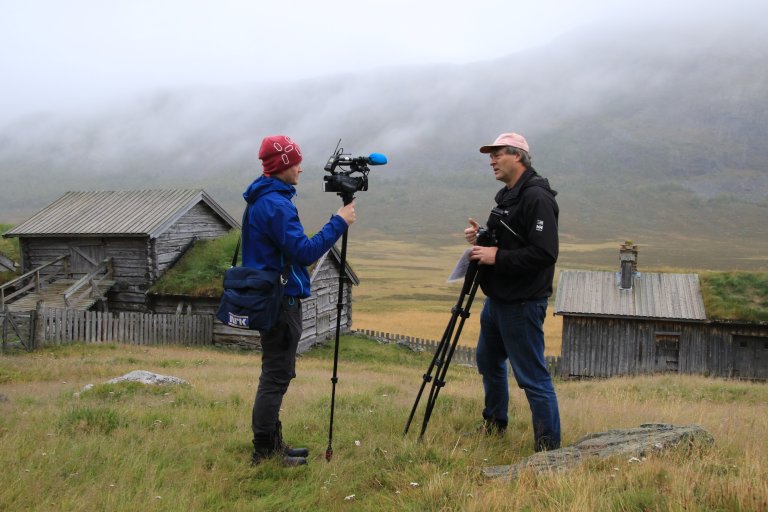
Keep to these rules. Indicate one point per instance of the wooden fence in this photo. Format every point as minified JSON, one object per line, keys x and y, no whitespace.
{"x":16,"y":328}
{"x":462,"y":354}
{"x":61,"y":326}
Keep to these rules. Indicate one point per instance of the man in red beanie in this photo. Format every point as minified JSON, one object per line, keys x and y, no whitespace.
{"x":274,"y":239}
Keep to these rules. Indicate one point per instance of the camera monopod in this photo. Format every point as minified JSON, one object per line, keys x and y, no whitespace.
{"x":446,"y":347}
{"x":346,"y":198}
{"x":345,"y":185}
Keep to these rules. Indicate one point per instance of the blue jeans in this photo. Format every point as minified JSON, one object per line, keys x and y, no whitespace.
{"x":516,"y":332}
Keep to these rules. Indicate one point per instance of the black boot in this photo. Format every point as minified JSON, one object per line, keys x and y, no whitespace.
{"x":544,"y":443}
{"x":266,"y":446}
{"x":287,"y":450}
{"x":263,"y":448}
{"x":495,"y":426}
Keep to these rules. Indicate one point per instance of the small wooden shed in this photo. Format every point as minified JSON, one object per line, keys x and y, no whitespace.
{"x":318,"y":310}
{"x":630,"y":322}
{"x":140,"y":232}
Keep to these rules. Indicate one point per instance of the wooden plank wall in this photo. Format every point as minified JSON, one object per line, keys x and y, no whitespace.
{"x":604,"y":347}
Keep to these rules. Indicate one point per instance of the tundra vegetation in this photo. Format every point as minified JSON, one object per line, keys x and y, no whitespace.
{"x":129,"y":446}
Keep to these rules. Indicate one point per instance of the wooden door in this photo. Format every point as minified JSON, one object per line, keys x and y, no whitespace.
{"x":750,"y":357}
{"x":85,"y":257}
{"x":667,"y":351}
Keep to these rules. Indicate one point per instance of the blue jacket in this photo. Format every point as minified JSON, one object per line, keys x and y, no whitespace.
{"x":273,"y":231}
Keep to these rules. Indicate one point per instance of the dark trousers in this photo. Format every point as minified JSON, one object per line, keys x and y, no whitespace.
{"x":278,"y":366}
{"x":515,"y":332}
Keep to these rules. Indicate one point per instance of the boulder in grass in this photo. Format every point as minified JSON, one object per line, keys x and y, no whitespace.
{"x":146,"y":377}
{"x":632,"y":442}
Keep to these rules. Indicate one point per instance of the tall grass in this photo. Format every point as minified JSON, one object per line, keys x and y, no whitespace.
{"x":131,"y":447}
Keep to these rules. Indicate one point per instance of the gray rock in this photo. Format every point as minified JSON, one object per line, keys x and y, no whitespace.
{"x":409,"y":346}
{"x":146,"y":377}
{"x":631,"y":442}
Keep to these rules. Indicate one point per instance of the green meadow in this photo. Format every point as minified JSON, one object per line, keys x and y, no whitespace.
{"x":127,"y":447}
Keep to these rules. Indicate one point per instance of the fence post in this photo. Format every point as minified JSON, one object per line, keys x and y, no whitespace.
{"x":39,"y":337}
{"x":4,"y":329}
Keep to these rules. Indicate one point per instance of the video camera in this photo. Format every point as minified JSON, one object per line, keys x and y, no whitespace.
{"x":486,"y":236}
{"x":342,"y":166}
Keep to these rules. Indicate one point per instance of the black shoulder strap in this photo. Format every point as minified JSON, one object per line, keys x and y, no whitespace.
{"x":242,"y":230}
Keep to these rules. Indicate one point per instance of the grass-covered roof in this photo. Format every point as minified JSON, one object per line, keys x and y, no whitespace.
{"x":201,"y":270}
{"x":740,"y":296}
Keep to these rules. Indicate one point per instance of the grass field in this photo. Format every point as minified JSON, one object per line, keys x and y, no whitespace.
{"x":128,"y":447}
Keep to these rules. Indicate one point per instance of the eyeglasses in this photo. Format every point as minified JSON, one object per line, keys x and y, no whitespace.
{"x":495,"y":155}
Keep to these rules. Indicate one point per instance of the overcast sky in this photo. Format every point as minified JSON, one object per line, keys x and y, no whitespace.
{"x":65,"y":53}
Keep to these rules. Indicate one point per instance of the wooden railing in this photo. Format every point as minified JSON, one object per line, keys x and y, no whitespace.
{"x":7,"y":264}
{"x":79,"y":289}
{"x":34,"y":276}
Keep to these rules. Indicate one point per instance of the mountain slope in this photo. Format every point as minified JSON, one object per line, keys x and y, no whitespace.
{"x":644,"y":132}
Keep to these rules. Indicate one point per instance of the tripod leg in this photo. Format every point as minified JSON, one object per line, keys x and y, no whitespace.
{"x":339,"y":308}
{"x":440,"y":352}
{"x":439,"y":381}
{"x":437,"y":359}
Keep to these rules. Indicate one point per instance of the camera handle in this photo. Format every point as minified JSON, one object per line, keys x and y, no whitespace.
{"x":347,"y":198}
{"x":446,"y":348}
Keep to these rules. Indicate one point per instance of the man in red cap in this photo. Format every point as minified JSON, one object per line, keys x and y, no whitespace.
{"x":516,"y":279}
{"x":274,"y":239}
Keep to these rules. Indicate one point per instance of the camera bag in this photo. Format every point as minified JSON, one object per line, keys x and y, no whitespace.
{"x":252,"y":298}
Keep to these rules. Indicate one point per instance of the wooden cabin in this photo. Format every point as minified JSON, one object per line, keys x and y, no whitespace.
{"x":318,"y":310}
{"x":630,"y":322}
{"x":139,"y":233}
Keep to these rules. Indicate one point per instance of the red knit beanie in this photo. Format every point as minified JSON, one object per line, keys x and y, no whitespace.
{"x":278,"y":153}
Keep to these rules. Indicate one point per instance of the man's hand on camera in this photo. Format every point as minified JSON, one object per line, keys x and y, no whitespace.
{"x":483,"y":255}
{"x":471,"y":232}
{"x":347,"y":212}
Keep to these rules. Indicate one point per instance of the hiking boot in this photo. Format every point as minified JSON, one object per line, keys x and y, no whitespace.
{"x":286,"y":449}
{"x":492,"y":426}
{"x":544,"y":443}
{"x":265,"y":446}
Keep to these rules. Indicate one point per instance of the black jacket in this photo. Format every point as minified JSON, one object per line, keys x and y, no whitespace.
{"x":525,"y":262}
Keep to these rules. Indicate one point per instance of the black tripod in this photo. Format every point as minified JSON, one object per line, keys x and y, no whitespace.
{"x":446,"y":348}
{"x":346,"y":198}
